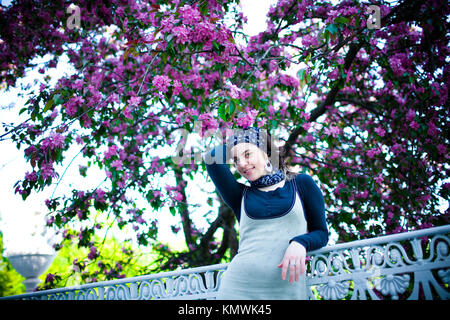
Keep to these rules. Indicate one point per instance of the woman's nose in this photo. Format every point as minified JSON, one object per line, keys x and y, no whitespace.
{"x":242,"y":163}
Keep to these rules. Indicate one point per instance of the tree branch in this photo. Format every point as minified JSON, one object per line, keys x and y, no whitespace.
{"x":329,"y":99}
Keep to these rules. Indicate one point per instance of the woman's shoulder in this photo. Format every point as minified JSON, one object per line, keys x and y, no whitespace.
{"x":304,"y":179}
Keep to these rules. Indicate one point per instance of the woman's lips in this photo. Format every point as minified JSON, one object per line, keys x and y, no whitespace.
{"x":247,"y":172}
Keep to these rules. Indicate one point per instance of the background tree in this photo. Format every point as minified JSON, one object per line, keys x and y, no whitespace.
{"x":10,"y":279}
{"x":361,"y":109}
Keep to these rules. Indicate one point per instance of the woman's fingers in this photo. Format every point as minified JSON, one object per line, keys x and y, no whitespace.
{"x":298,"y":269}
{"x":295,"y":269}
{"x":284,"y":267}
{"x":293,"y":262}
{"x":302,"y":266}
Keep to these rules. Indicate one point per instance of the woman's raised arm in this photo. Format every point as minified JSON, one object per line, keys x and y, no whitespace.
{"x":229,"y":189}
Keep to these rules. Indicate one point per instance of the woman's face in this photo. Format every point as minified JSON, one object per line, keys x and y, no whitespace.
{"x":249,"y":160}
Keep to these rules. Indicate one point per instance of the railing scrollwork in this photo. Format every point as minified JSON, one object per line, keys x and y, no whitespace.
{"x":412,"y":265}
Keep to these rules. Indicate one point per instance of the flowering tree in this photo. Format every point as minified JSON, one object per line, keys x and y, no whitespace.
{"x":356,"y":93}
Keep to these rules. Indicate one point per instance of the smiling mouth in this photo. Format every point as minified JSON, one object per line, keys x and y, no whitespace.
{"x":246,"y":172}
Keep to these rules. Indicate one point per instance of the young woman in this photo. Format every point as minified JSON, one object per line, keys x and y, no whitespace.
{"x":281,"y":217}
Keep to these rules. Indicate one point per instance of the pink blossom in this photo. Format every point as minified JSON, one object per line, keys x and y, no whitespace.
{"x":432,"y":130}
{"x":92,"y":253}
{"x":78,"y":139}
{"x":372,"y":152}
{"x":156,"y":167}
{"x":177,"y":87}
{"x":248,"y":119}
{"x":177,"y":196}
{"x":208,"y":123}
{"x":339,"y":187}
{"x":364,"y":194}
{"x":78,"y":85}
{"x":380,"y":131}
{"x":50,"y":278}
{"x":308,"y":40}
{"x":190,"y":14}
{"x":112,"y":150}
{"x":414,"y":125}
{"x":121,"y":183}
{"x":117,"y":164}
{"x":410,"y":115}
{"x":441,"y":149}
{"x":379,"y":178}
{"x":30,"y":150}
{"x":72,"y":105}
{"x":134,"y":101}
{"x":262,"y":122}
{"x":332,"y":130}
{"x":140,"y":220}
{"x":336,"y":154}
{"x":100,"y":195}
{"x":168,"y":23}
{"x":86,"y":121}
{"x":397,"y":65}
{"x":161,"y":83}
{"x":234,"y":91}
{"x":47,"y":171}
{"x":181,"y":34}
{"x":333,"y":75}
{"x":289,"y":81}
{"x":31,"y":176}
{"x":127,"y":114}
{"x":397,"y":148}
{"x":203,"y":32}
{"x":79,"y":214}
{"x":306,"y":126}
{"x":54,"y":141}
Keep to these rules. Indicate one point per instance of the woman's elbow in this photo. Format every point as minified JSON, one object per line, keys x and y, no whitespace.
{"x":324,"y":238}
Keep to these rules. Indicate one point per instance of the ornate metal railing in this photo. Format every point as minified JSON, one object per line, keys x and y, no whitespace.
{"x":412,"y":265}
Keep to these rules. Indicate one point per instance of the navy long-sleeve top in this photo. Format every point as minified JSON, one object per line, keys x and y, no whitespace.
{"x":265,"y":205}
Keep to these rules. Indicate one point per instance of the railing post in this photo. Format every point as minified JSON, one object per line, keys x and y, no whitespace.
{"x":101,"y":293}
{"x":134,"y":291}
{"x":71,"y":295}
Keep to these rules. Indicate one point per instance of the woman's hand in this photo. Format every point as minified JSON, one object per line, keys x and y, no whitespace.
{"x":294,"y":259}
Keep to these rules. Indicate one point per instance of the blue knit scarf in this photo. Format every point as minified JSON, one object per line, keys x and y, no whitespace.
{"x":268,"y":179}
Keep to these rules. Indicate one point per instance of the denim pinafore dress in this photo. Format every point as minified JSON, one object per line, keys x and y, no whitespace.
{"x":253,"y":273}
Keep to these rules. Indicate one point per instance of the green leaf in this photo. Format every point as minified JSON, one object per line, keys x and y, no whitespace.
{"x":216,"y":45}
{"x":357,"y":21}
{"x":301,"y":74}
{"x":308,"y":78}
{"x":48,"y":105}
{"x":343,"y":20}
{"x":221,"y":112}
{"x":57,"y":99}
{"x":332,"y":28}
{"x":307,"y":58}
{"x":231,"y":107}
{"x":203,"y":7}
